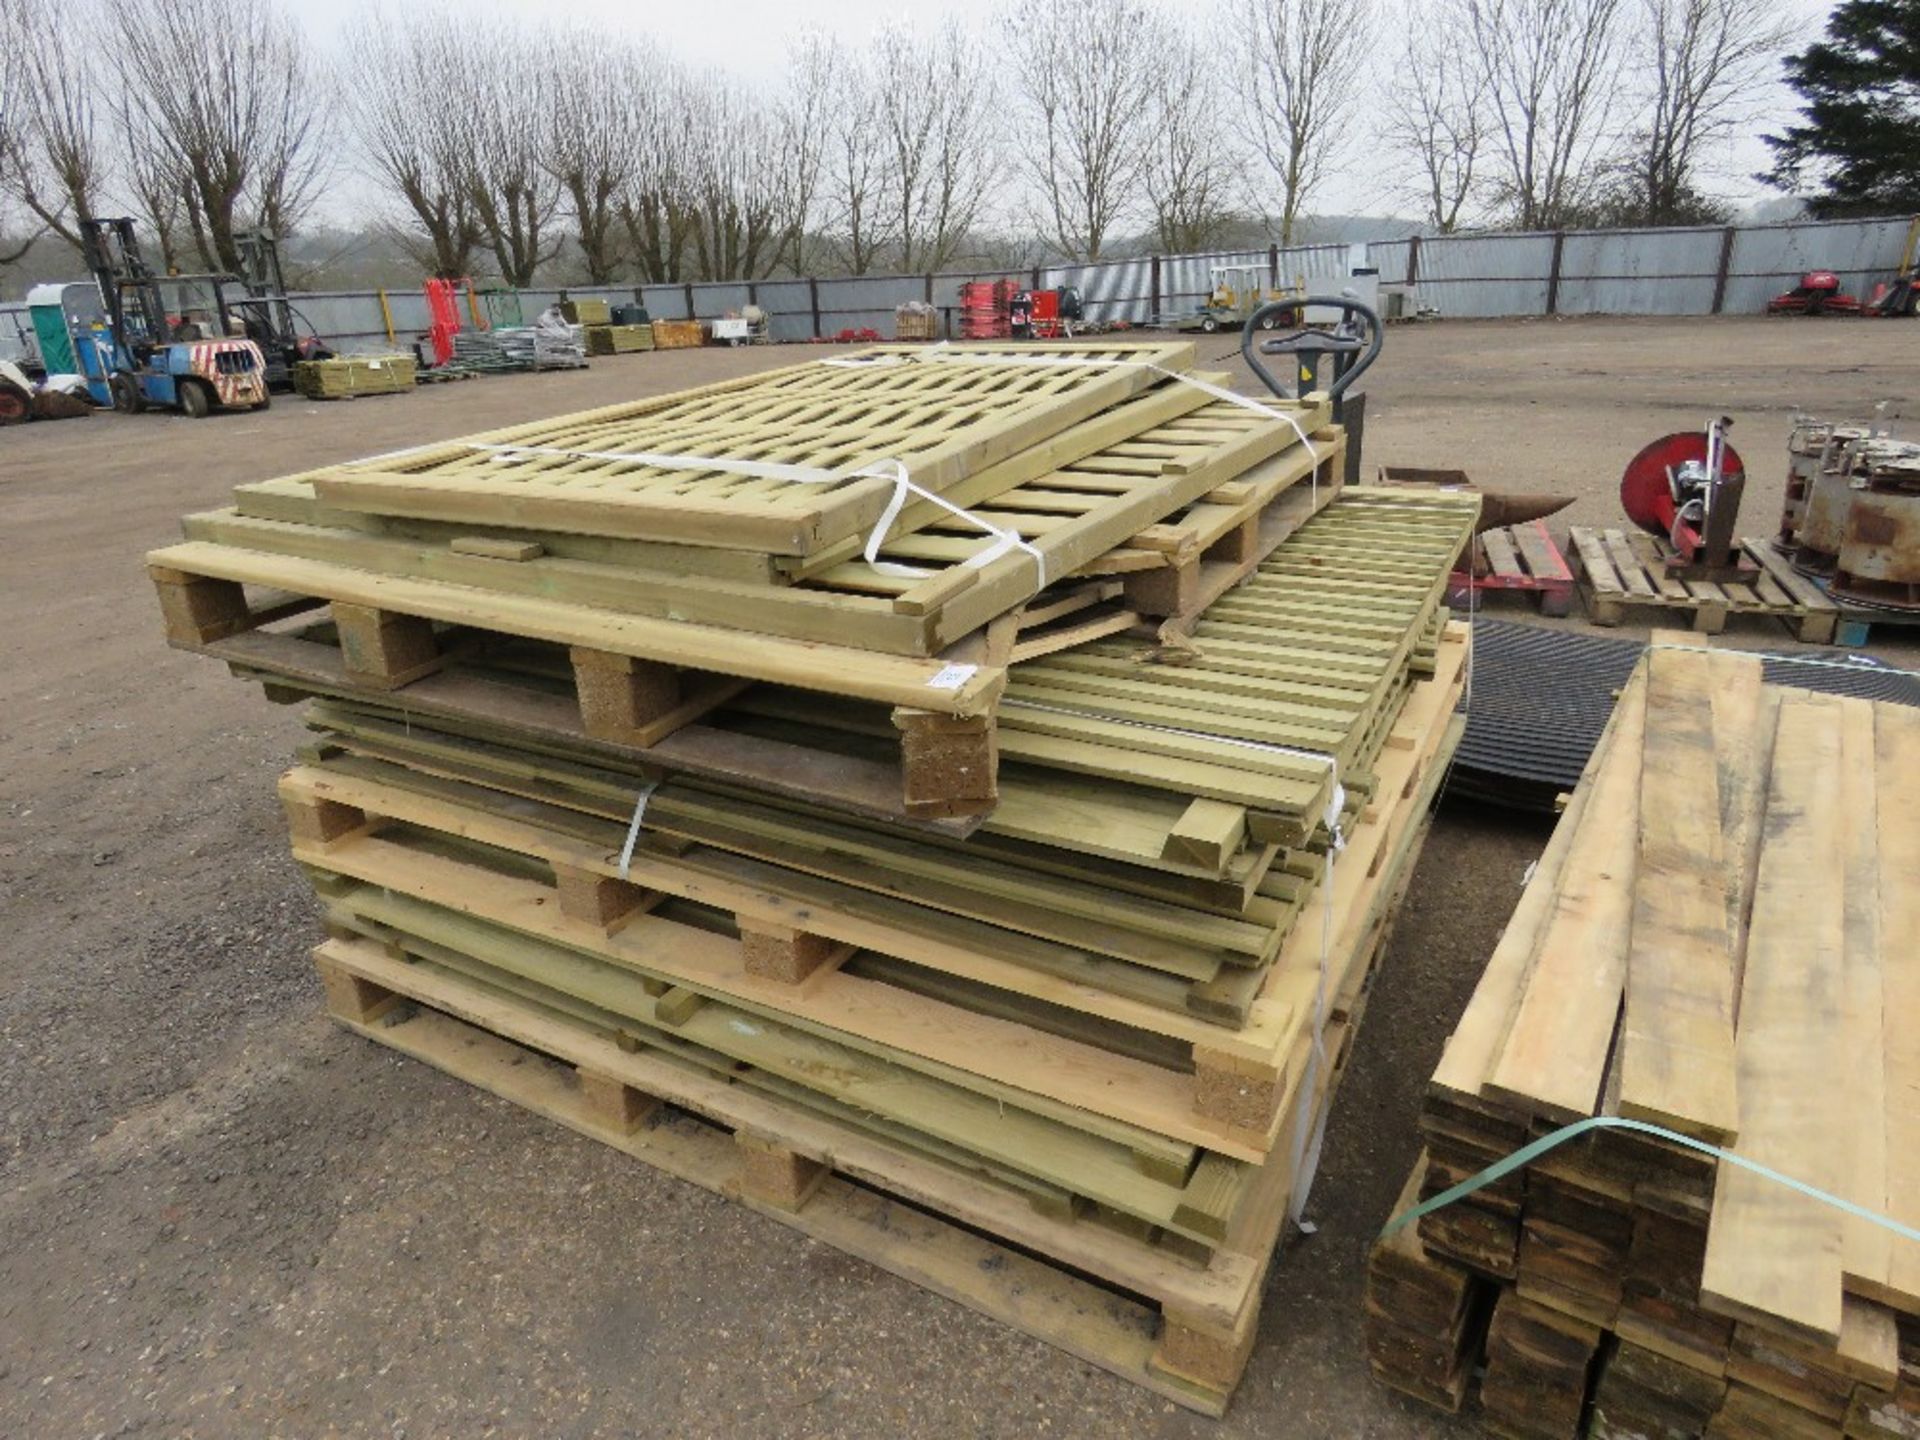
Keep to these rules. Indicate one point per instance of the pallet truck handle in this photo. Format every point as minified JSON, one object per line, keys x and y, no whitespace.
{"x":1310,"y":344}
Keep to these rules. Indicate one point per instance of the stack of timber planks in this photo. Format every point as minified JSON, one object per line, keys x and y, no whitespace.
{"x":678,"y":334}
{"x":618,"y":339}
{"x":1718,"y":940}
{"x":977,"y":910}
{"x":348,"y":377}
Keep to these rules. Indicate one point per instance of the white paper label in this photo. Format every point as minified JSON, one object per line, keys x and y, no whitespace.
{"x":952,"y":677}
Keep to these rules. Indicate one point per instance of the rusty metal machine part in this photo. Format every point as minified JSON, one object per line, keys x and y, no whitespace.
{"x":1807,"y":448}
{"x":1879,"y":556}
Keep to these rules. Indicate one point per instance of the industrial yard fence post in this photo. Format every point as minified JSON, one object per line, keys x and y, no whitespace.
{"x":1720,"y":272}
{"x":1153,"y":287}
{"x":1553,"y":272}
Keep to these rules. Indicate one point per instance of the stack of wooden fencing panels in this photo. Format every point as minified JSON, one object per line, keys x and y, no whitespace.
{"x":1029,"y":1018}
{"x":1719,"y":941}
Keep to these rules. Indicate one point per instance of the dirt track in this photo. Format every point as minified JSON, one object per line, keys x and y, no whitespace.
{"x":222,"y":1216}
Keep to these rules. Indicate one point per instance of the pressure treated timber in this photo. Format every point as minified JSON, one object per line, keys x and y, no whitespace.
{"x":918,"y":684}
{"x":943,"y":416}
{"x":484,"y":1044}
{"x":906,"y":616}
{"x":297,"y":666}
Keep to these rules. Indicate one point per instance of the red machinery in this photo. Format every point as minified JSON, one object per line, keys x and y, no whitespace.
{"x":1818,"y":293}
{"x":1686,"y":488}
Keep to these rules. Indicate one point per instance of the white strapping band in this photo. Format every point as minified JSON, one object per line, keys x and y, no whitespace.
{"x":1005,"y":538}
{"x":633,"y":829}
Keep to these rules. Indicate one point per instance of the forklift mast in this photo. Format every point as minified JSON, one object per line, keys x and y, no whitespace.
{"x":112,"y":252}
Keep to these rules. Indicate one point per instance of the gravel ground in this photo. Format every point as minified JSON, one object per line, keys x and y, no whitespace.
{"x":220,"y":1215}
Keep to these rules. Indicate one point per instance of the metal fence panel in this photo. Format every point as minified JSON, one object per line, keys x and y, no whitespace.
{"x":1469,"y":276}
{"x":1771,"y":258}
{"x":1639,"y":272}
{"x":789,"y":307}
{"x":665,"y":302}
{"x":1390,"y":258}
{"x":1121,"y":290}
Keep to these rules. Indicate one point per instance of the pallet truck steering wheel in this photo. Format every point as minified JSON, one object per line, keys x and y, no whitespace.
{"x":1354,"y":344}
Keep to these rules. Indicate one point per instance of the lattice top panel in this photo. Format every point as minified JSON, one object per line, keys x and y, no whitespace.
{"x":633,"y":470}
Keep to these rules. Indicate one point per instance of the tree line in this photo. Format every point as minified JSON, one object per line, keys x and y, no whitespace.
{"x":1071,"y":129}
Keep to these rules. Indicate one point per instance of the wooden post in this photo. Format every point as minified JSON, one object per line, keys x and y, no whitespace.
{"x":1721,"y":270}
{"x":385,"y":650}
{"x":1553,"y":272}
{"x":813,"y":298}
{"x":1153,"y":288}
{"x":927,"y":292}
{"x":692,"y":314}
{"x":1273,"y":267}
{"x":621,"y":697}
{"x":1413,"y":261}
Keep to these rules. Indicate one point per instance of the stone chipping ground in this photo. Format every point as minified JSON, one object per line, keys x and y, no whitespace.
{"x":221,"y":1215}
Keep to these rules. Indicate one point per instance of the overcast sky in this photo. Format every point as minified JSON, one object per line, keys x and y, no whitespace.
{"x":748,"y":39}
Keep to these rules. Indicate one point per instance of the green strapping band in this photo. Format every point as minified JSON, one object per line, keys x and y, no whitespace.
{"x":1527,"y":1154}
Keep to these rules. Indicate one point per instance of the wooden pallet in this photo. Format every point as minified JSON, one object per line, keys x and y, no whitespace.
{"x":383,"y":636}
{"x":1178,"y":1323}
{"x":1521,"y":560}
{"x":788,"y":937}
{"x":1621,"y":571}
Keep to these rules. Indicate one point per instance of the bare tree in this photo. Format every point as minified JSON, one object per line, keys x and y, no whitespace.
{"x":655,"y":208}
{"x":594,"y":133}
{"x":739,"y":191}
{"x":1301,"y":67}
{"x":1432,"y":116}
{"x":934,"y":115}
{"x":1078,"y":77}
{"x":1704,"y":60}
{"x":809,"y":122}
{"x":231,"y":90}
{"x":507,"y":80}
{"x":1551,"y":78}
{"x":1194,"y":178}
{"x":52,"y":159}
{"x":854,"y":152}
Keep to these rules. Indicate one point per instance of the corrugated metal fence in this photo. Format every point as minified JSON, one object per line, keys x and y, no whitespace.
{"x":1706,"y":270}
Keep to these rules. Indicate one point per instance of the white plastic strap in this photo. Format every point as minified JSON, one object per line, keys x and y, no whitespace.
{"x":937,"y":354}
{"x":894,"y":471}
{"x":633,"y":828}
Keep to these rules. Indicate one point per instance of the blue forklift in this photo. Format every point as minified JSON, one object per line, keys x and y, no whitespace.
{"x":173,"y":342}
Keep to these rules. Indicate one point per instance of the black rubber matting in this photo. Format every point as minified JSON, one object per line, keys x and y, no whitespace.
{"x":1541,"y":697}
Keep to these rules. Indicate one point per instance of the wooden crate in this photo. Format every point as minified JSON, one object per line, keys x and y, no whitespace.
{"x":1622,"y":571}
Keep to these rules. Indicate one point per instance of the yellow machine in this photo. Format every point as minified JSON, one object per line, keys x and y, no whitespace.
{"x":1238,"y":291}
